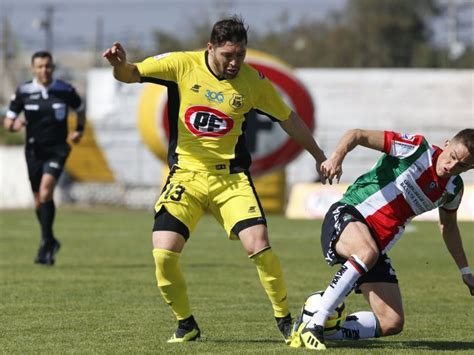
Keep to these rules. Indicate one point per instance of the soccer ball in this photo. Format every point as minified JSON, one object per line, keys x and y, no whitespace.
{"x":334,"y":321}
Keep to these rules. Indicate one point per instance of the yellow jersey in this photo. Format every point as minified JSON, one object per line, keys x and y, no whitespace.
{"x":207,"y":114}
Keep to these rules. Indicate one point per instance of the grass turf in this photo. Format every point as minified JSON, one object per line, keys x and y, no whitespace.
{"x":101,"y":296}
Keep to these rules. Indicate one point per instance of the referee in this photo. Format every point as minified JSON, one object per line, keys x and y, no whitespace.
{"x":45,"y":102}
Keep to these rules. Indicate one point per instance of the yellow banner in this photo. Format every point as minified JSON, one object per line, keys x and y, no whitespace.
{"x":311,"y":201}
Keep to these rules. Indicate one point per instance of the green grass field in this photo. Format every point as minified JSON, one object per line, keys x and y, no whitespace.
{"x":101,"y":296}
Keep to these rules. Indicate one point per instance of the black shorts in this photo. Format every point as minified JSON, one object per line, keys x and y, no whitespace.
{"x":165,"y":221}
{"x":45,"y":160}
{"x":336,"y":219}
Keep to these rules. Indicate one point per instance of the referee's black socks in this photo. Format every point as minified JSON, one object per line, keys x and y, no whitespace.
{"x":46,"y":213}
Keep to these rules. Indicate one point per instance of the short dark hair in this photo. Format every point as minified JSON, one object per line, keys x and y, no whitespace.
{"x":41,"y":54}
{"x":466,"y":137}
{"x":232,"y":29}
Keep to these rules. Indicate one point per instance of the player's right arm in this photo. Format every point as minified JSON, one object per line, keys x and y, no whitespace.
{"x":332,"y":167}
{"x":123,"y":71}
{"x":452,"y":237}
{"x":12,"y":122}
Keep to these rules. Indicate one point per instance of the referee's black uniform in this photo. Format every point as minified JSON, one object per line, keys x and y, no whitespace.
{"x":46,"y":149}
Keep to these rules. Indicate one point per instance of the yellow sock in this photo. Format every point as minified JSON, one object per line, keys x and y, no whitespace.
{"x":171,"y":282}
{"x":271,"y":277}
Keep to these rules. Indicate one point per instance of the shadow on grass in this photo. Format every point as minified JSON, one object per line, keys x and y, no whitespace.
{"x":393,"y":345}
{"x":255,"y":341}
{"x":105,"y":266}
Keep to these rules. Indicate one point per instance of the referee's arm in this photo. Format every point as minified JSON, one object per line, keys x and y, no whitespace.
{"x":12,"y":125}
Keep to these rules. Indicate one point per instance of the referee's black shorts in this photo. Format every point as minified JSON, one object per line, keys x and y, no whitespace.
{"x":45,"y":160}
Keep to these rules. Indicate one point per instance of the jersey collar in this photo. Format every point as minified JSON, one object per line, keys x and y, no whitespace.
{"x":206,"y":59}
{"x":43,"y":89}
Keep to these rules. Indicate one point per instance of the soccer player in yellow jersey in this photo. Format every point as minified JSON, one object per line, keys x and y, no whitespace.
{"x":210,"y":92}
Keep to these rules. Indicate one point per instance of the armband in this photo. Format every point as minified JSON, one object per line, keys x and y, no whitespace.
{"x":465,"y":270}
{"x":80,"y":128}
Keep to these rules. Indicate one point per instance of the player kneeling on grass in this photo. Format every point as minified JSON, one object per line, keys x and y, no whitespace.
{"x":411,"y":178}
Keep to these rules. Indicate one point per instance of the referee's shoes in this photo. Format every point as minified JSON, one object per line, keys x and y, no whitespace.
{"x":47,"y":251}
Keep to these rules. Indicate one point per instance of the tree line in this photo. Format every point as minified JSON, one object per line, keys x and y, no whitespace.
{"x":366,"y":33}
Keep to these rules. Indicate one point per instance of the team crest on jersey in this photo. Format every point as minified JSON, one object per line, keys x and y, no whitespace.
{"x":203,"y":121}
{"x":431,"y":186}
{"x":237,"y":101}
{"x":59,"y":111}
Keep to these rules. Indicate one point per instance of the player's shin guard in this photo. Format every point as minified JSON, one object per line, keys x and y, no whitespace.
{"x":171,"y":282}
{"x":271,"y":278}
{"x":359,"y":325}
{"x":340,"y":286}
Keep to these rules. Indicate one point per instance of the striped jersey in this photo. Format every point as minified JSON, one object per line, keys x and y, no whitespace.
{"x":207,"y":114}
{"x":402,"y":184}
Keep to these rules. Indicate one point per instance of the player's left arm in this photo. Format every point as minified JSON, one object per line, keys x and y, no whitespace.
{"x":448,"y":226}
{"x":77,"y":134}
{"x":76,"y":103}
{"x":297,"y":129}
{"x":332,"y":168}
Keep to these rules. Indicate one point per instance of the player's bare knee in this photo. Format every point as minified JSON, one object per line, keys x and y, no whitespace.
{"x":391,"y":325}
{"x":45,"y":196}
{"x":368,"y":255}
{"x":371,"y":256}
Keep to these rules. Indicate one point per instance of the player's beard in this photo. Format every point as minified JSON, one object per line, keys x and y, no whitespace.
{"x":231,"y":74}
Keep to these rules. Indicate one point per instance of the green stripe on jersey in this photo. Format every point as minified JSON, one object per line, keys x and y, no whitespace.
{"x":385,"y":171}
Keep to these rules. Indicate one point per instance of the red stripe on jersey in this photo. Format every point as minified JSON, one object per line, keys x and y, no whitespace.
{"x":430,"y":183}
{"x":387,"y":144}
{"x":390,"y":137}
{"x":386,"y":221}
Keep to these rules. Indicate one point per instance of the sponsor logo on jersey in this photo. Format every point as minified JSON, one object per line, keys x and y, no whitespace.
{"x":252,"y":209}
{"x":195,"y":88}
{"x":261,"y":75}
{"x":215,"y":96}
{"x":408,"y":137}
{"x":203,"y":121}
{"x":237,"y":101}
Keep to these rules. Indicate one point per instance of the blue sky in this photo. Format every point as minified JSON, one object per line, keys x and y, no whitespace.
{"x":75,"y":21}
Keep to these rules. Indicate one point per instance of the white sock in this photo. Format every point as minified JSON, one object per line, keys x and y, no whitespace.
{"x":338,"y":289}
{"x":359,"y":325}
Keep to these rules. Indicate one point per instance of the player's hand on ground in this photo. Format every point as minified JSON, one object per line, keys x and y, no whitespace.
{"x":115,"y":55}
{"x":331,"y":170}
{"x":75,"y":136}
{"x":469,"y":281}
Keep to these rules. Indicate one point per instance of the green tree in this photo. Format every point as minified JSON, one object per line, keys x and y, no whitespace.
{"x":388,"y":33}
